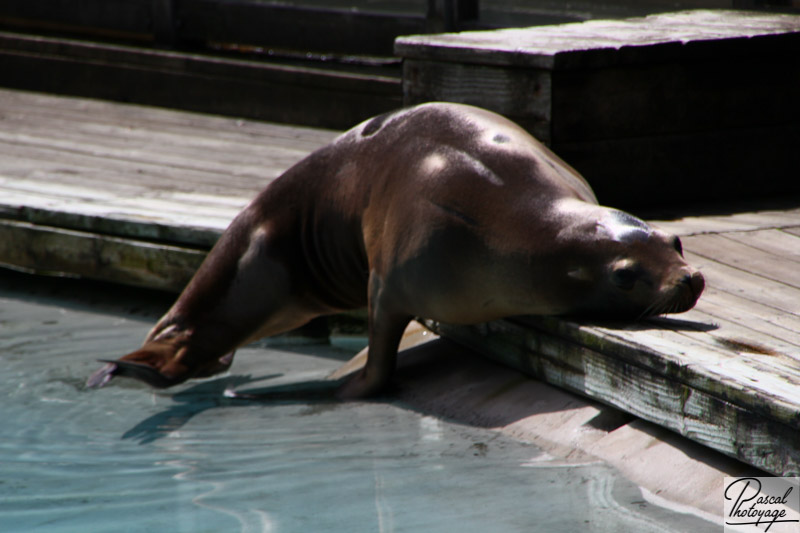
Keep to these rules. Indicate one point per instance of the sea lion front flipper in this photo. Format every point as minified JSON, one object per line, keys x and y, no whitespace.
{"x":157,"y":363}
{"x":142,"y":364}
{"x":101,"y":377}
{"x":139,"y":371}
{"x":386,"y":327}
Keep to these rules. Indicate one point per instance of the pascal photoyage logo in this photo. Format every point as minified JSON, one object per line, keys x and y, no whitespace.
{"x":759,"y":504}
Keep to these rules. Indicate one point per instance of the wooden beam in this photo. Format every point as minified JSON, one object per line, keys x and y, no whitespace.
{"x":450,"y":15}
{"x":523,"y":95}
{"x":164,"y":27}
{"x":59,"y":252}
{"x":306,"y":29}
{"x":127,"y":20}
{"x":255,"y":89}
{"x":749,"y":431}
{"x":199,"y":22}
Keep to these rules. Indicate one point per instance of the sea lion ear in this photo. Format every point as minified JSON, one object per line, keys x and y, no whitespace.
{"x":604,"y":231}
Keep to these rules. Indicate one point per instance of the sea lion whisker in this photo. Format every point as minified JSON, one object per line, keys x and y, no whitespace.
{"x":654,"y":309}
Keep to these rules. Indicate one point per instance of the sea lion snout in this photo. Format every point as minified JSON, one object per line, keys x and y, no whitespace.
{"x":689,"y":288}
{"x":679,"y":290}
{"x":688,"y":284}
{"x":696,"y":283}
{"x":642,"y":271}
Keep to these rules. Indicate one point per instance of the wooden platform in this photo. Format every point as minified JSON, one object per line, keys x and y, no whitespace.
{"x":666,"y":109}
{"x":137,"y":195}
{"x":126,"y":193}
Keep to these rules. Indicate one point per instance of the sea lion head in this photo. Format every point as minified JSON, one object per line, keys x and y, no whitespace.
{"x":629,"y":270}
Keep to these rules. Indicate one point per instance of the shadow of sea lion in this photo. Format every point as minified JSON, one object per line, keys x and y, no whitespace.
{"x":648,"y":324}
{"x":221,"y":393}
{"x":417,"y":364}
{"x":662,"y":322}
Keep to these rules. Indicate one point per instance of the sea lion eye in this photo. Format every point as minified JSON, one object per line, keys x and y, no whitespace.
{"x":676,"y":243}
{"x":625,"y":277}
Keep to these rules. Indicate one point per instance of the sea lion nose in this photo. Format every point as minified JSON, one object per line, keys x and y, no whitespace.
{"x":696,"y":283}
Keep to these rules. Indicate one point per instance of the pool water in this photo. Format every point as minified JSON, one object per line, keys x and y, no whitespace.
{"x":126,"y":458}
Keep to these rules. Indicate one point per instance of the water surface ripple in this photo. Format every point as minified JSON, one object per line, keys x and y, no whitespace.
{"x":125,"y":458}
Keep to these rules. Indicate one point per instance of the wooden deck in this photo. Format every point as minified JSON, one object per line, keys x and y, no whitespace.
{"x":126,"y":193}
{"x":137,"y":195}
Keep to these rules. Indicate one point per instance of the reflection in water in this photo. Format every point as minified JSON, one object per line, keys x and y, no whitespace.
{"x":382,"y":506}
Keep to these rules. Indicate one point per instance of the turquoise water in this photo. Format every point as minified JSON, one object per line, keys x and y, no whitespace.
{"x":125,"y":458}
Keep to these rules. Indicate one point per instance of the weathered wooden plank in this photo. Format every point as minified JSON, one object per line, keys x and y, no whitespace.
{"x":768,"y":345}
{"x":90,"y":163}
{"x":81,"y":110}
{"x":261,"y":90}
{"x":191,"y":65}
{"x":755,"y":315}
{"x":339,"y":28}
{"x":792,"y":231}
{"x":56,"y":251}
{"x":68,"y":183}
{"x":29,"y":107}
{"x":697,"y":225}
{"x":748,"y":285}
{"x":182,"y":218}
{"x":760,"y":322}
{"x":160,"y":152}
{"x":780,"y":268}
{"x":599,"y":43}
{"x":663,"y":348}
{"x":745,"y":220}
{"x":177,"y":139}
{"x":668,"y":348}
{"x":87,"y":172}
{"x":774,"y":242}
{"x":718,"y":371}
{"x":523,"y":95}
{"x":763,"y":357}
{"x":712,"y":420}
{"x":134,"y":171}
{"x":268,"y":25}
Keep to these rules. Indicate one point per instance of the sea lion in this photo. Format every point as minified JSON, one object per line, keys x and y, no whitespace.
{"x":439,"y":211}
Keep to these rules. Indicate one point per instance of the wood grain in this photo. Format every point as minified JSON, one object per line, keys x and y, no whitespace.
{"x":133,"y":171}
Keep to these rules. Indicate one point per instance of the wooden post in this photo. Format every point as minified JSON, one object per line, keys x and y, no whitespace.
{"x":164,"y":30}
{"x":447,"y":15}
